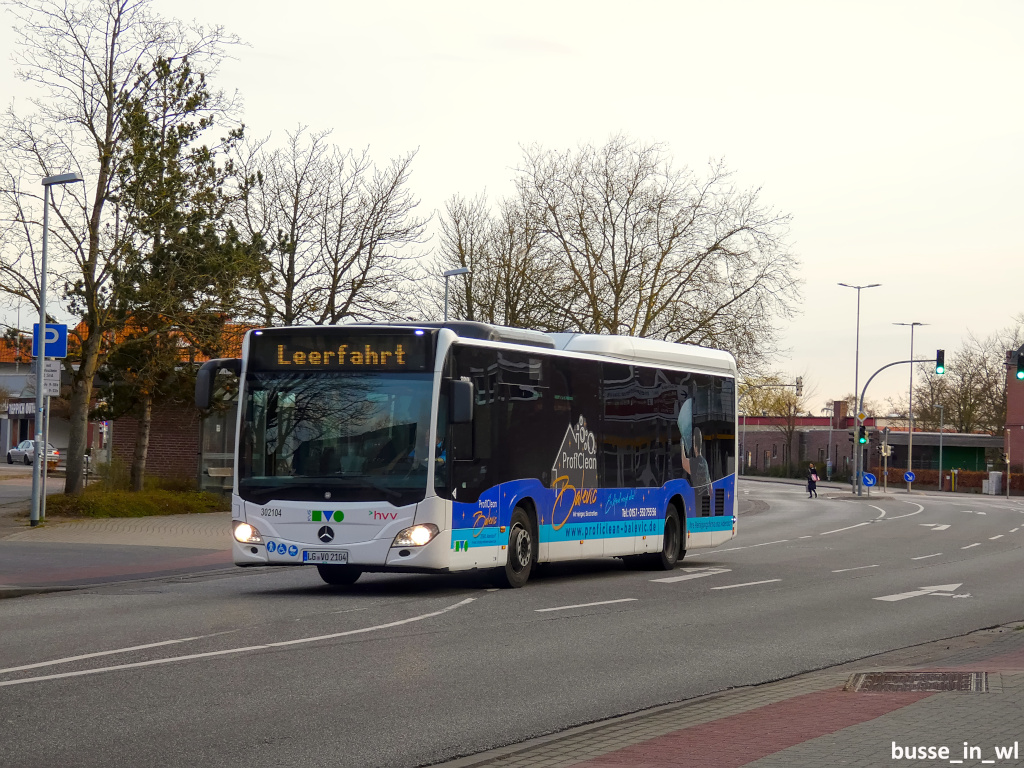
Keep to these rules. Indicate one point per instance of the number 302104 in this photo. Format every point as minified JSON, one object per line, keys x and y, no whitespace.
{"x":270,"y":512}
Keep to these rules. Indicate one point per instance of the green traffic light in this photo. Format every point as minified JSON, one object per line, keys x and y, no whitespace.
{"x":1020,"y":374}
{"x":940,"y":370}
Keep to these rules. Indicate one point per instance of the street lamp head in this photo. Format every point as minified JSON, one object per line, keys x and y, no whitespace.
{"x":453,"y":272}
{"x":63,"y":178}
{"x":859,"y":287}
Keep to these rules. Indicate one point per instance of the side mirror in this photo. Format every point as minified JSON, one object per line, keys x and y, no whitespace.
{"x":461,"y":402}
{"x":207,"y":375}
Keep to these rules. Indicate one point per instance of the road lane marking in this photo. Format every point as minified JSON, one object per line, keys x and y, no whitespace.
{"x":920,"y":509}
{"x":990,"y":538}
{"x":751,"y":546}
{"x":927,"y":525}
{"x":940,"y":527}
{"x":858,"y":568}
{"x":69,"y":659}
{"x":946,"y":590}
{"x":747,"y":584}
{"x":975,"y":544}
{"x":586,"y":605}
{"x":1014,"y":530}
{"x":806,"y":537}
{"x":879,"y":509}
{"x":243,"y":649}
{"x":925,"y":557}
{"x":696,"y":573}
{"x":837,"y":530}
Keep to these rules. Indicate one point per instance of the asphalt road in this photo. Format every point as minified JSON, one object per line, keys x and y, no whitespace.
{"x":271,"y":667}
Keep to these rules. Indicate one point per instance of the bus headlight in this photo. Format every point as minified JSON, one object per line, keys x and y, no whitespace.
{"x":416,"y":536}
{"x":246,"y":534}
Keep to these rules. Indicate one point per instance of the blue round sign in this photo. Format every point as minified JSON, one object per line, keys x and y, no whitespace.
{"x":908,"y":476}
{"x":869,"y":479}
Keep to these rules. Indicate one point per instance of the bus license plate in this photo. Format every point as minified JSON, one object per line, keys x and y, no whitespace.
{"x":317,"y":556}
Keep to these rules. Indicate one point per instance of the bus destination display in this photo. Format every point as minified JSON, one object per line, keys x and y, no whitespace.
{"x":290,"y":351}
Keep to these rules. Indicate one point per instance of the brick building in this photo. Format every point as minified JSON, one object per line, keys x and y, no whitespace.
{"x":830,"y":441}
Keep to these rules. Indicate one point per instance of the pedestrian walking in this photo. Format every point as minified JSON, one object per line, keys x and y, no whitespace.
{"x":812,"y":482}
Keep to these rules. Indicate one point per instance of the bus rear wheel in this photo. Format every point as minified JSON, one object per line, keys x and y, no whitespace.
{"x":339,"y":575}
{"x":673,"y":542}
{"x":521,"y":551}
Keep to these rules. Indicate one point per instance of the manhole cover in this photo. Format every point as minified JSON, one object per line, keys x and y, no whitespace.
{"x":890,"y":682}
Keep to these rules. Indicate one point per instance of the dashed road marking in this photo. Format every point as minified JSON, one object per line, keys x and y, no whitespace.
{"x":837,"y":530}
{"x":586,"y":605}
{"x":990,"y":538}
{"x":975,"y":544}
{"x":747,"y":584}
{"x":858,"y":568}
{"x":695,"y":573}
{"x":925,"y":557}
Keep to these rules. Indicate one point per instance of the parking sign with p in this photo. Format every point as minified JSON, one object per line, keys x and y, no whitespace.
{"x":56,"y":340}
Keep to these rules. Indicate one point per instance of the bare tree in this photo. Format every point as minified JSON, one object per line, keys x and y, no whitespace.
{"x":644,"y":249}
{"x":501,"y":250}
{"x":84,"y":57}
{"x":335,"y":228}
{"x":773,"y":395}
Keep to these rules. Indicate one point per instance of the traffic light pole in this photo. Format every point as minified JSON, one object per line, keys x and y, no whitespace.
{"x":859,"y":455}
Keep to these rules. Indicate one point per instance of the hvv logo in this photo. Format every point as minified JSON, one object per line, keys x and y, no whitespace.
{"x":325,"y":515}
{"x":383,"y":515}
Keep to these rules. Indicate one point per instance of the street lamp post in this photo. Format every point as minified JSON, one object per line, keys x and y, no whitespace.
{"x":828,"y":457}
{"x":858,"y":457}
{"x":910,"y":404}
{"x":447,"y":274}
{"x":40,"y":458}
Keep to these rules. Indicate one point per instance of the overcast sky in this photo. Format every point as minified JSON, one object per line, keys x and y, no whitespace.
{"x":891,"y":131}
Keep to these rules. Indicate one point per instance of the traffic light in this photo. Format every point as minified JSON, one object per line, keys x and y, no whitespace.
{"x":862,"y":435}
{"x":1020,"y":365}
{"x":940,"y":361}
{"x":800,"y":386}
{"x":852,"y":435}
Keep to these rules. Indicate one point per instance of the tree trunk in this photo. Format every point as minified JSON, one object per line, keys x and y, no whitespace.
{"x":142,"y":442}
{"x":81,"y":397}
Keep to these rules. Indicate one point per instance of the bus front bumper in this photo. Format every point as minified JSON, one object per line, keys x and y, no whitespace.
{"x":376,"y":554}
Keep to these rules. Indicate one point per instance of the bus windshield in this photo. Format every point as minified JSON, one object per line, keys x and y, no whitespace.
{"x":334,"y":436}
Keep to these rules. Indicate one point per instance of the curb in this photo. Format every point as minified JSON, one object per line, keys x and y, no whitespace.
{"x":6,"y":592}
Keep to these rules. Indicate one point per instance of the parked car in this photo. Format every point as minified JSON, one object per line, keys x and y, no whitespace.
{"x":25,"y":452}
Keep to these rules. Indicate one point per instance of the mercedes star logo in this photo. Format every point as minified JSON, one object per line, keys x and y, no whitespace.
{"x":325,"y":534}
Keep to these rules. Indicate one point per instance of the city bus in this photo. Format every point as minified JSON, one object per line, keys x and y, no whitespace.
{"x":459,"y":446}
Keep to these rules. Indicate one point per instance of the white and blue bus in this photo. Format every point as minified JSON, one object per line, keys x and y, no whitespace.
{"x":443,"y":447}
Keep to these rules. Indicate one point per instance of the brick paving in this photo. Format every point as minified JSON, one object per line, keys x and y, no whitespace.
{"x":209,"y":530}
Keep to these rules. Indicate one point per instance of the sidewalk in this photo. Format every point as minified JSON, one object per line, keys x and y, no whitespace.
{"x":968,"y":689}
{"x":66,"y":554}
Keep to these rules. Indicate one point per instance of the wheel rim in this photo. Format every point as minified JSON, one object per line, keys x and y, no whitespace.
{"x":522,"y":547}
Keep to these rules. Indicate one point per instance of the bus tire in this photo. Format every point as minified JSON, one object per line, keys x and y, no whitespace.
{"x":339,"y":575}
{"x":672,"y":543}
{"x":521,"y":551}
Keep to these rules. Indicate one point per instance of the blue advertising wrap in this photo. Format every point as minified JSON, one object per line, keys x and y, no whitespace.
{"x":567,"y":514}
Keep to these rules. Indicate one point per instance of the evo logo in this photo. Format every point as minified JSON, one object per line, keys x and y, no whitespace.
{"x":325,"y":515}
{"x":460,"y":546}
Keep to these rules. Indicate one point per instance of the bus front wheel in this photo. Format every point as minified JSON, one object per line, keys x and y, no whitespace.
{"x":521,"y":551}
{"x":339,"y":575}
